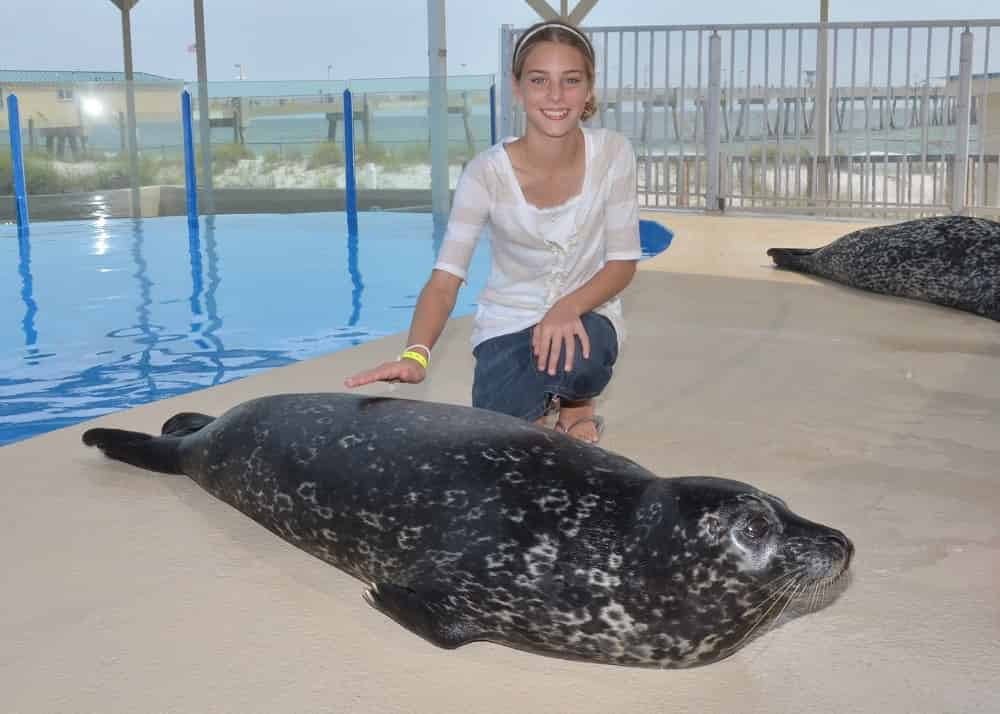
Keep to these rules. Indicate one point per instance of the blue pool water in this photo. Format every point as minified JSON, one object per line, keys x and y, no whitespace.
{"x":98,"y":316}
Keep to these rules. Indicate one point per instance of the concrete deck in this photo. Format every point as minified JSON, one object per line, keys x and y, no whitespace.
{"x":127,"y":591}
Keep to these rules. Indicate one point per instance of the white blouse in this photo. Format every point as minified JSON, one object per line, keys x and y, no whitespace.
{"x":539,"y":255}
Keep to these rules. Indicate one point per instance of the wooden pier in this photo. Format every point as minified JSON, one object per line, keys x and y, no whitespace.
{"x":789,"y":112}
{"x":237,"y":112}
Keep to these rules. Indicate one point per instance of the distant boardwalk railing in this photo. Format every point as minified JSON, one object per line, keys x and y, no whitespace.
{"x":859,"y":119}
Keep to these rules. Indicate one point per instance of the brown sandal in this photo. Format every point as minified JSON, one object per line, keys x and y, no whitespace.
{"x":598,"y":422}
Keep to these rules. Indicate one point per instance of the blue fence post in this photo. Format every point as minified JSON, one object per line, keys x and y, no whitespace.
{"x":17,"y":164}
{"x":190,"y":175}
{"x":351,"y":192}
{"x":493,"y":114}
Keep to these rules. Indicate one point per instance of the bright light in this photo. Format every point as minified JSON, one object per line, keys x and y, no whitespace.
{"x":92,"y":107}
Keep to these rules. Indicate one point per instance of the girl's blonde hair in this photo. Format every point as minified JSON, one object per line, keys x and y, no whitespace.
{"x":565,"y":34}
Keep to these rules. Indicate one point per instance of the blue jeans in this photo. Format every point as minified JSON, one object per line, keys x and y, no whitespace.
{"x":507,"y":378}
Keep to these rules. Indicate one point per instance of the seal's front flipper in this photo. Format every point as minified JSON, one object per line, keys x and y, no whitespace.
{"x":426,"y":612}
{"x":185,"y":423}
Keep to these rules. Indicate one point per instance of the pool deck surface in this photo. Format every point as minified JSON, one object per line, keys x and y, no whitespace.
{"x":128,"y":591}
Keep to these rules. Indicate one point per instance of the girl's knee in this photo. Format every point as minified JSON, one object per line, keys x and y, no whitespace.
{"x":602,"y":337}
{"x":587,"y":378}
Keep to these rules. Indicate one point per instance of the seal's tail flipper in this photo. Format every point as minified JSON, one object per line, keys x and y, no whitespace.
{"x":147,"y":452}
{"x":790,"y":257}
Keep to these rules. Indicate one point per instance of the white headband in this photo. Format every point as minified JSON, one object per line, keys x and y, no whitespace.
{"x":547,"y":26}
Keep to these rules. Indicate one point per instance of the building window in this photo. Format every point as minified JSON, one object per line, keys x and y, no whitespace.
{"x":65,"y":95}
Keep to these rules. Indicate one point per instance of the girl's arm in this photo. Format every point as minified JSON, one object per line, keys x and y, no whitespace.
{"x":434,"y":306}
{"x":468,"y":216}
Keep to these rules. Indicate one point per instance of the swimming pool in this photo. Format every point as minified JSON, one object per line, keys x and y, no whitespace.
{"x":103,"y":315}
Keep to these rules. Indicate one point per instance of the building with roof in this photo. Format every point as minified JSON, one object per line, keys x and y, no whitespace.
{"x":58,"y":107}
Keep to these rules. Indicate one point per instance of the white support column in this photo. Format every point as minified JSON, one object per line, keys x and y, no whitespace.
{"x":574,"y":16}
{"x":961,"y":163}
{"x":583,"y":7}
{"x":543,"y":9}
{"x":204,"y":127}
{"x":438,"y":77}
{"x":133,"y":137}
{"x":712,"y":121}
{"x":821,"y":181}
{"x":506,"y":110}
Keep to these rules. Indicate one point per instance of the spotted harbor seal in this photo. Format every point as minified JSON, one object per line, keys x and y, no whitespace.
{"x":471,"y":525}
{"x":948,"y":260}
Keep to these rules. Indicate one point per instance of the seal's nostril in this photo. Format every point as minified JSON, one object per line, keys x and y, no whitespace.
{"x":850,"y":553}
{"x":842,"y":544}
{"x":845,"y":545}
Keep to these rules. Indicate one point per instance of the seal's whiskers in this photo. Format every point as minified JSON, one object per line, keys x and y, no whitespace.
{"x":774,"y":599}
{"x":769,"y":585}
{"x":763,"y":626}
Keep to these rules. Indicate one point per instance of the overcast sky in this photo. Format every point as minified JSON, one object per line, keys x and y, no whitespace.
{"x":299,"y":39}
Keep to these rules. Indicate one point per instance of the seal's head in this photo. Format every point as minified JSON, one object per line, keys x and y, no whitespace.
{"x":755,"y":533}
{"x":740,"y":557}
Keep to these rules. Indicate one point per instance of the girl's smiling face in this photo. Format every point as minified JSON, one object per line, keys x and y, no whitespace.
{"x":553,"y":88}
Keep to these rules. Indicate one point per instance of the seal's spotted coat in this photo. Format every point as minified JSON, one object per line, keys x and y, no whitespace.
{"x":948,"y":260}
{"x":471,"y":525}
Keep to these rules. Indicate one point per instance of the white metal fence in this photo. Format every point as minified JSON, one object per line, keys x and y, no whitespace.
{"x":859,"y":119}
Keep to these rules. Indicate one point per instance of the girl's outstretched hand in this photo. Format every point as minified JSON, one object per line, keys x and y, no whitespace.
{"x":404,"y":370}
{"x":555,"y":332}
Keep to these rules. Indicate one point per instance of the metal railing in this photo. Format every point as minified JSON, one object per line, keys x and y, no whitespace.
{"x":267,"y":140}
{"x":847,"y":118}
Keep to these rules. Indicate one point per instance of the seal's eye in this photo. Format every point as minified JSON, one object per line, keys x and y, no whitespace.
{"x":757,"y":527}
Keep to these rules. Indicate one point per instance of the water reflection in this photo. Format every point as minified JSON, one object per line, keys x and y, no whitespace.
{"x":357,"y":285}
{"x":209,"y":341}
{"x":149,"y":337}
{"x":27,"y":290}
{"x":194,"y":256}
{"x":440,"y":227}
{"x":171,"y":363}
{"x":97,"y":207}
{"x":167,"y":362}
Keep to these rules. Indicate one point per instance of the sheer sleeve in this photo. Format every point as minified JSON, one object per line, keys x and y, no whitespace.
{"x":621,"y":228}
{"x":470,"y":211}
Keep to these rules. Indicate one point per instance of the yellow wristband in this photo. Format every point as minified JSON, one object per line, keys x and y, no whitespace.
{"x":416,"y":357}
